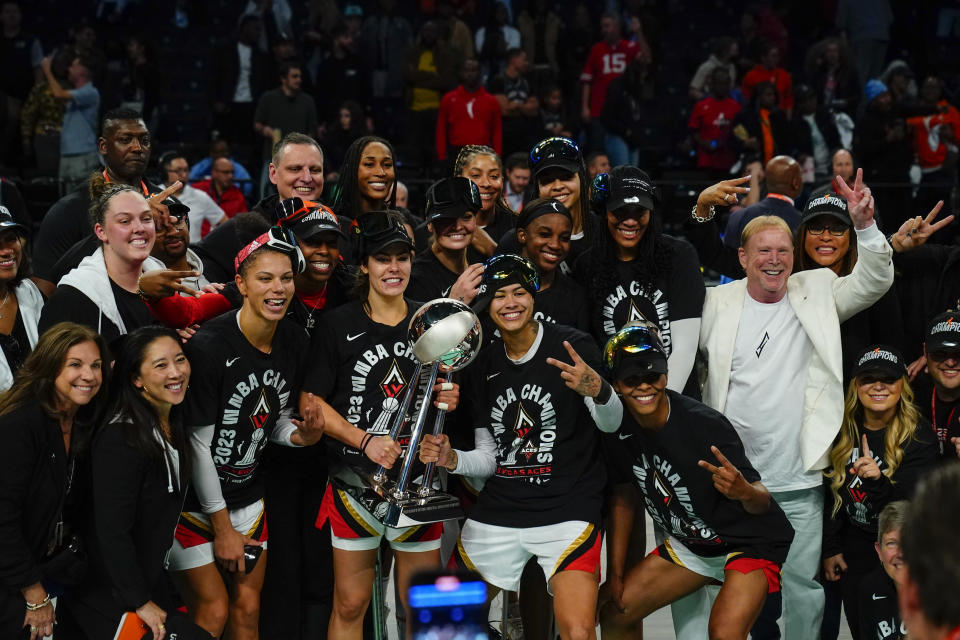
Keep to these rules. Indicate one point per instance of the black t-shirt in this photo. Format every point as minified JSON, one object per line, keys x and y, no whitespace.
{"x":69,"y":304}
{"x":503,"y":224}
{"x":679,"y":494}
{"x":66,"y":223}
{"x":578,"y":245}
{"x":677,"y":293}
{"x":564,"y":302}
{"x":309,"y":317}
{"x":879,"y":610}
{"x":362,"y":369}
{"x":548,"y":466}
{"x":240,"y":391}
{"x":429,"y":278}
{"x":863,"y":498}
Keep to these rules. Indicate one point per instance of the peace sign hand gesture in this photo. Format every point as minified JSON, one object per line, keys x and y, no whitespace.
{"x":914,"y":232}
{"x":727,"y":478}
{"x":161,"y":215}
{"x":578,"y":376}
{"x":865,"y":466}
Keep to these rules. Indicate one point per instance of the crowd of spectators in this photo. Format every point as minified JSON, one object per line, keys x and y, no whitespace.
{"x":135,"y":166}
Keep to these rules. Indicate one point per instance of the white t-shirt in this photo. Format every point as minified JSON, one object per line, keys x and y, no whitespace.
{"x":765,"y":397}
{"x":202,"y":207}
{"x":243,"y":93}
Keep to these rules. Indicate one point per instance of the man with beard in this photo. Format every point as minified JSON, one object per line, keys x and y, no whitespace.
{"x":124,"y":145}
{"x":172,"y":248}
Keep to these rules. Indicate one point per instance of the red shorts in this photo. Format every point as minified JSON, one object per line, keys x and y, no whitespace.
{"x":713,"y":567}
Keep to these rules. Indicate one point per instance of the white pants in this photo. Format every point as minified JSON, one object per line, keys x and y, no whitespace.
{"x":802,"y":594}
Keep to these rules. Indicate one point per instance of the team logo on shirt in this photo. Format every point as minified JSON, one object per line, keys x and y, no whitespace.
{"x":238,"y":443}
{"x":525,"y":447}
{"x":859,"y":508}
{"x":887,"y":630}
{"x":635,"y":302}
{"x":381,"y":363}
{"x":668,"y":501}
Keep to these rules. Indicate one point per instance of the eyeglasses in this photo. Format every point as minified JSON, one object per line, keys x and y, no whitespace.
{"x":556,"y":147}
{"x":501,"y":267}
{"x":835,"y":230}
{"x":275,"y":238}
{"x":630,"y":341}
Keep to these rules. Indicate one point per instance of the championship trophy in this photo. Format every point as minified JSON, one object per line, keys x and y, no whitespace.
{"x":445,"y":335}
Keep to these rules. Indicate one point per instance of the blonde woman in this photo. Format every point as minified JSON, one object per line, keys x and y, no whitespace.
{"x":884,"y":446}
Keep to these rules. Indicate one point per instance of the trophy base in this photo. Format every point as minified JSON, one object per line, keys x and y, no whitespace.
{"x":415,"y":509}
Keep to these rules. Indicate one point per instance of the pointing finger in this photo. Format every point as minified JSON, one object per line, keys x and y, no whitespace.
{"x":866,"y":447}
{"x":172,"y":189}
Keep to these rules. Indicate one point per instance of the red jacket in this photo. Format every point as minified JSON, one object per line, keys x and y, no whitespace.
{"x":468,"y":118}
{"x":232,"y":201}
{"x":931,"y":151}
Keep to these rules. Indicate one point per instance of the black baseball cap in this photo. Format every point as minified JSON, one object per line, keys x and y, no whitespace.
{"x":881,"y":360}
{"x":380,"y":229}
{"x":634,"y":350}
{"x":503,"y":270}
{"x":555,"y":152}
{"x":828,"y":204}
{"x":452,"y":198}
{"x":7,"y":222}
{"x":630,"y":186}
{"x":540,"y":207}
{"x":319,"y":219}
{"x":943,"y":333}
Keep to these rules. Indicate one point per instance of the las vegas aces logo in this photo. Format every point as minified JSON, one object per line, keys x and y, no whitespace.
{"x":393,"y":384}
{"x":521,"y":441}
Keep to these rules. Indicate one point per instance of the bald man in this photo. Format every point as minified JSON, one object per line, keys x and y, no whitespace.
{"x":843,"y":166}
{"x":784,"y":183}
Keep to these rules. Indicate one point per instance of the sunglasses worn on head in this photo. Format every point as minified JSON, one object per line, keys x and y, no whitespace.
{"x":555,"y":147}
{"x":629,"y":341}
{"x":500,"y":267}
{"x":276,"y":238}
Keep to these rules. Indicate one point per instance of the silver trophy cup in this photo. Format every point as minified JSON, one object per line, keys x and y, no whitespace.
{"x":446,"y":336}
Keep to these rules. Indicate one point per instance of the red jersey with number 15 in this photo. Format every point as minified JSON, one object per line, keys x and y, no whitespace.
{"x":603,"y":65}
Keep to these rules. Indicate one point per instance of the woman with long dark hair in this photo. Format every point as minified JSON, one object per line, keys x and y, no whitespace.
{"x":636,"y":272}
{"x":21,"y":302}
{"x":367,"y":182}
{"x":484,"y":168}
{"x":45,"y":422}
{"x":883,"y":448}
{"x":140,"y":464}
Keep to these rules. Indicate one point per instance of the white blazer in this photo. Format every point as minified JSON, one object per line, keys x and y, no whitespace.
{"x":821,"y":301}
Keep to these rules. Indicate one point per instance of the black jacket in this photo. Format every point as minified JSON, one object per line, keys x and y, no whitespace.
{"x":219,"y":247}
{"x":750,"y":120}
{"x":929,"y":283}
{"x":623,"y":113}
{"x":33,"y":483}
{"x":802,"y":137}
{"x":225,"y":72}
{"x":136,"y":506}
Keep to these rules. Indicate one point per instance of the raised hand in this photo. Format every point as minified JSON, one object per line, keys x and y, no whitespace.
{"x":727,"y":479}
{"x":578,"y":376}
{"x":165,"y":282}
{"x":854,"y":195}
{"x":161,"y":215}
{"x":914,"y":232}
{"x":862,"y":213}
{"x":865,"y":466}
{"x":724,"y":193}
{"x":465,"y":288}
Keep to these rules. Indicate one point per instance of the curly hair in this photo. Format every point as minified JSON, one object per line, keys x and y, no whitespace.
{"x":466,"y":156}
{"x":346,"y":196}
{"x":900,"y":431}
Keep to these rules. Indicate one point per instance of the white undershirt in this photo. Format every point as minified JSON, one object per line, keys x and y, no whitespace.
{"x":242,"y":93}
{"x":766,"y":393}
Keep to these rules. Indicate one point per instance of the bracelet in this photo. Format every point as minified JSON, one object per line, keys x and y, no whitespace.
{"x":696,"y":218}
{"x":363,"y":443}
{"x":140,"y":292}
{"x":31,"y":606}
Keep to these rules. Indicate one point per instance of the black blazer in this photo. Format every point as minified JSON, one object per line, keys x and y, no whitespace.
{"x":33,"y":479}
{"x":225,"y":71}
{"x":802,"y":136}
{"x":136,"y":506}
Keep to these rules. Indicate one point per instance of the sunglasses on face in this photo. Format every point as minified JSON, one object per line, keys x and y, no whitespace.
{"x":501,"y":267}
{"x":556,"y":147}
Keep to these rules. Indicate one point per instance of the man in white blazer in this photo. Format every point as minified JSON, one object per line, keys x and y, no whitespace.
{"x":771,"y":342}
